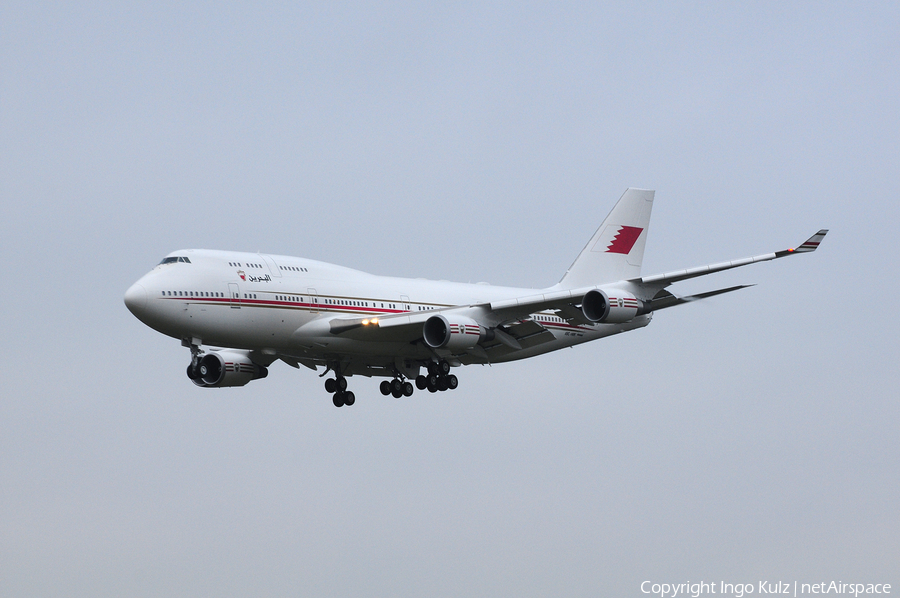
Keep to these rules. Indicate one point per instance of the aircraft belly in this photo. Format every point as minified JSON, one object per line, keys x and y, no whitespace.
{"x":327,"y":346}
{"x":245,"y":327}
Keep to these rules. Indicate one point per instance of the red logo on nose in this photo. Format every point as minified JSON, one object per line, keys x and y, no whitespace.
{"x":624,"y":239}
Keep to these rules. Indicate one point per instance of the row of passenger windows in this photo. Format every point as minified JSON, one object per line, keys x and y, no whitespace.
{"x":203,"y":294}
{"x":191,"y":294}
{"x":345,"y":302}
{"x":242,"y":265}
{"x":349,"y":302}
{"x":354,"y":303}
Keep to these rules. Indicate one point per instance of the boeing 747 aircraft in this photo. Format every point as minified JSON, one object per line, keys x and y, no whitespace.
{"x":240,"y":312}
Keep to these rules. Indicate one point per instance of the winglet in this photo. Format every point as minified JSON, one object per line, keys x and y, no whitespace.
{"x":811,"y":244}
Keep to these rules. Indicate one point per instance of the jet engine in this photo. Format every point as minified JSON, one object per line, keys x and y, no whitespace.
{"x":225,"y":368}
{"x":609,"y":307}
{"x":454,"y":333}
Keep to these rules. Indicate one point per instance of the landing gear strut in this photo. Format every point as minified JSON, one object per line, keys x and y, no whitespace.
{"x":193,"y":368}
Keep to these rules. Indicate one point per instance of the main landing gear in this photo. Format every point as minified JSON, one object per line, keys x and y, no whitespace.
{"x":342,"y":396}
{"x":439,"y":378}
{"x":396,"y":388}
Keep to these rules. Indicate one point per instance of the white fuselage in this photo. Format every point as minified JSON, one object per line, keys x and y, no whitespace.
{"x":267,"y":303}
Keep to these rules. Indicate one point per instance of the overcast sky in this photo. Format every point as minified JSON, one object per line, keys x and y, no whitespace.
{"x":750,"y":437}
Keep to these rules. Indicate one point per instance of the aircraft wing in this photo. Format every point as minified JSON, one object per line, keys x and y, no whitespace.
{"x":511,"y":314}
{"x":649,"y":289}
{"x":408,"y":326}
{"x":663,"y":280}
{"x":408,"y":329}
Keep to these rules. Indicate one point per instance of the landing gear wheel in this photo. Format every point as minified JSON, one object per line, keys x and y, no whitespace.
{"x":407,"y":389}
{"x":330,"y":385}
{"x":191,"y":372}
{"x":342,"y":384}
{"x":452,"y":382}
{"x":396,"y":386}
{"x":444,"y":367}
{"x":433,"y":369}
{"x":432,"y":386}
{"x":385,"y":387}
{"x":397,"y":393}
{"x":442,"y":383}
{"x":338,"y":399}
{"x":349,"y":398}
{"x":421,"y":382}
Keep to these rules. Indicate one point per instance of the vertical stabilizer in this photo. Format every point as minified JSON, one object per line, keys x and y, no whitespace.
{"x":616,"y":250}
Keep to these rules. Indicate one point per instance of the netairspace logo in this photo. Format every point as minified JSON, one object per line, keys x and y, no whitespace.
{"x":739,"y":590}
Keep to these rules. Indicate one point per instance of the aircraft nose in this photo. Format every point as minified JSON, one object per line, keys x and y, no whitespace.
{"x":136,"y":298}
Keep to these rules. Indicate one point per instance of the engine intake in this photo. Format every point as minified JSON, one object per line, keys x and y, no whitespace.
{"x":455,"y":333}
{"x":609,"y":307}
{"x":218,"y":369}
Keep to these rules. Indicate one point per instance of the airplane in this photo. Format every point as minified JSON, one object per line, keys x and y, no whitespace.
{"x":238,"y":313}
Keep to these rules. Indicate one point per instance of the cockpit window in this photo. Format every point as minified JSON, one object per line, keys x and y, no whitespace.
{"x":172,"y":260}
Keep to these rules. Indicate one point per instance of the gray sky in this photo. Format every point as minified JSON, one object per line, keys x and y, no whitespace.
{"x":748,"y":437}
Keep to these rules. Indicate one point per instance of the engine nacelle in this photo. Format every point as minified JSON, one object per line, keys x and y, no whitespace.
{"x":609,"y":307}
{"x":225,"y":368}
{"x":454,"y":333}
